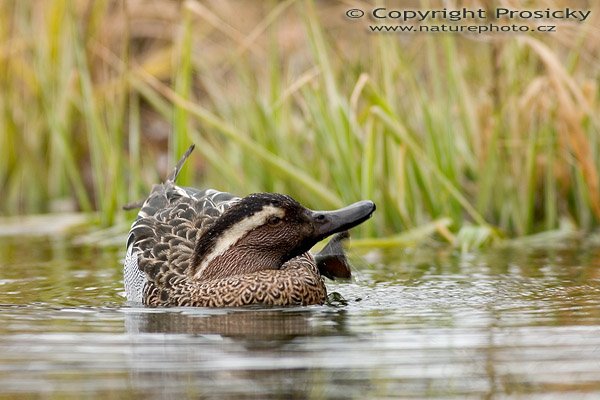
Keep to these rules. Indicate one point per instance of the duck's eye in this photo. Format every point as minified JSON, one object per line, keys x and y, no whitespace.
{"x":274,"y":220}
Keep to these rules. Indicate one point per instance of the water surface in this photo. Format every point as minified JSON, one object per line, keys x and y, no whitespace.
{"x":513,"y":322}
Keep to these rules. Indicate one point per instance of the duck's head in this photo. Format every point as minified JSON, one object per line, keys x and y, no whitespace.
{"x":264,"y":230}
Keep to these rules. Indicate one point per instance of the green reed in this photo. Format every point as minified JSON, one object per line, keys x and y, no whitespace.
{"x":459,"y":139}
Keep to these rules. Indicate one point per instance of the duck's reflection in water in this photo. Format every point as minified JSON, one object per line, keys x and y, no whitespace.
{"x":234,"y":323}
{"x":252,"y":353}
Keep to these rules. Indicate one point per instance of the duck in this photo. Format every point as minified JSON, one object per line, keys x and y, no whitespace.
{"x":193,"y":247}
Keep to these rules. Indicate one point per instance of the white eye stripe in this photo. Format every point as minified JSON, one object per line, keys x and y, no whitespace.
{"x":231,"y":236}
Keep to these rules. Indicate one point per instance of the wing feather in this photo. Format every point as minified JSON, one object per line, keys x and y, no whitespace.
{"x":161,"y":241}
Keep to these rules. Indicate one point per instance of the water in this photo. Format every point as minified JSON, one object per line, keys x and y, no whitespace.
{"x":515,"y":322}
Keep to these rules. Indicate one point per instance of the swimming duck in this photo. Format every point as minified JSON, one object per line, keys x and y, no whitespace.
{"x":205,"y":248}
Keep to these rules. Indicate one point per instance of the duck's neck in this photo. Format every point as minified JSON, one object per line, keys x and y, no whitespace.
{"x":236,"y":262}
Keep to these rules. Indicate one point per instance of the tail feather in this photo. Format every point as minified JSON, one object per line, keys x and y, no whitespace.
{"x":332,"y":261}
{"x":173,"y":176}
{"x":170,"y":179}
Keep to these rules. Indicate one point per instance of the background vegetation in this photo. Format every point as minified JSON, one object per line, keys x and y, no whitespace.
{"x":468,"y":137}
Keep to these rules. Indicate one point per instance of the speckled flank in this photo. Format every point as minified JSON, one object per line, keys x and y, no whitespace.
{"x":298,"y":283}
